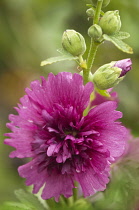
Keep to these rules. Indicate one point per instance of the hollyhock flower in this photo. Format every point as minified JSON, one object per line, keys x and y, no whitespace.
{"x":64,"y":145}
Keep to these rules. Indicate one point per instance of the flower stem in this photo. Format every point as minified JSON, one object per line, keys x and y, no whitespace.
{"x":98,"y":11}
{"x":93,"y":45}
{"x":75,"y":192}
{"x":91,"y":55}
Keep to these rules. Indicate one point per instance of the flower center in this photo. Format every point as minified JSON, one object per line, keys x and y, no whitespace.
{"x":72,"y":132}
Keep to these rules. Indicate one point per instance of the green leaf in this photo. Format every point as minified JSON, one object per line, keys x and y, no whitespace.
{"x":119,"y":43}
{"x":15,"y":205}
{"x":58,"y":58}
{"x":29,"y":199}
{"x":122,"y":35}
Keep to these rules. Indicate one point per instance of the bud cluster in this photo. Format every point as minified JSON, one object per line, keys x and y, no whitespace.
{"x":109,"y":23}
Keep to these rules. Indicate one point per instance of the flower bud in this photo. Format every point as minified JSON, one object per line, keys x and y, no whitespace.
{"x":107,"y":76}
{"x":125,"y":65}
{"x":110,"y":22}
{"x":95,"y":32}
{"x":104,"y":4}
{"x":73,"y":42}
{"x":90,"y":12}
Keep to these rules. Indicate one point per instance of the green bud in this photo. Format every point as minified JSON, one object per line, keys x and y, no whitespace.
{"x":104,"y":4}
{"x":73,"y":42}
{"x":90,"y":12}
{"x":110,"y":22}
{"x":107,"y":76}
{"x":95,"y":32}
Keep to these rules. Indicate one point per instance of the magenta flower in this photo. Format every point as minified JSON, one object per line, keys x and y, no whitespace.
{"x":64,"y":145}
{"x":125,"y":65}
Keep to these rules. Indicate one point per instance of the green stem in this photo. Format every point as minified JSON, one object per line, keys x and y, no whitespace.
{"x":75,"y":192}
{"x":85,"y":75}
{"x":92,"y":54}
{"x":90,"y":60}
{"x":98,"y":11}
{"x":93,"y":45}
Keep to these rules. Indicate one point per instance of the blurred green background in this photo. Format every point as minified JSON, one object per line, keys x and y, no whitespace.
{"x":30,"y":31}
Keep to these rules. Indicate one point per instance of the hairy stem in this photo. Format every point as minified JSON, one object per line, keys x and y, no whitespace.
{"x":92,"y":54}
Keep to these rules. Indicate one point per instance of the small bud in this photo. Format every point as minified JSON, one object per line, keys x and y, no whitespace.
{"x":125,"y":65}
{"x":104,"y":4}
{"x":110,"y":22}
{"x":73,"y":42}
{"x":107,"y":76}
{"x":95,"y":32}
{"x":90,"y":13}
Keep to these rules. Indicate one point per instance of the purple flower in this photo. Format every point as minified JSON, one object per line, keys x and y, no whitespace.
{"x":64,"y":145}
{"x":125,"y":65}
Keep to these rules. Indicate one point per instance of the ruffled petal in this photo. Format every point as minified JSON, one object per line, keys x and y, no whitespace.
{"x":103,"y":113}
{"x":65,"y":89}
{"x":92,"y":182}
{"x":111,"y":134}
{"x":29,"y":171}
{"x":56,"y":185}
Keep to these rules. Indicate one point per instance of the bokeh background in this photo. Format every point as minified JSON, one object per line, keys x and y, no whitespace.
{"x":30,"y":31}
